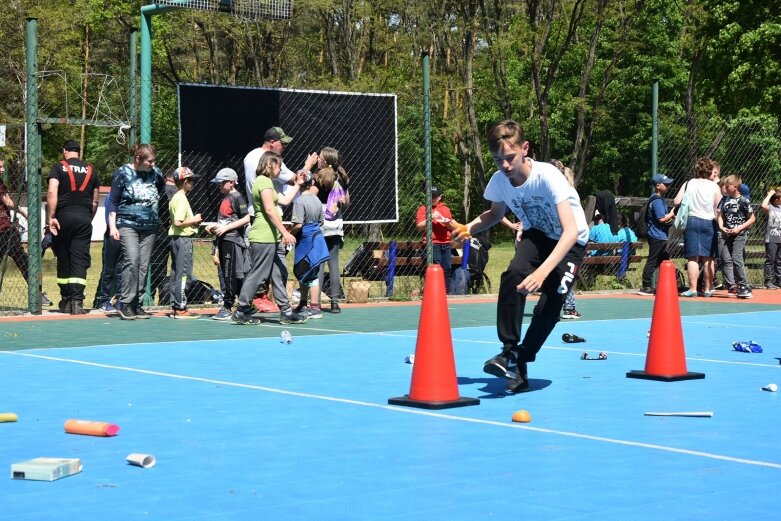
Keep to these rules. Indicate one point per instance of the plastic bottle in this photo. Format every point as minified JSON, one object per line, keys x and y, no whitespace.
{"x":286,"y":337}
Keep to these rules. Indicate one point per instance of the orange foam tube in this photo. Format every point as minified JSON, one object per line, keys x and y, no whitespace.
{"x":91,"y":428}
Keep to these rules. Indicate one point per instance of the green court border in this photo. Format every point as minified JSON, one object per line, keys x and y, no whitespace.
{"x":51,"y":332}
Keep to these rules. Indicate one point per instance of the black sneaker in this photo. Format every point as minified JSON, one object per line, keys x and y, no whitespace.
{"x":335,"y":307}
{"x":745,"y":292}
{"x":125,"y":311}
{"x":244,"y":318}
{"x":502,"y":365}
{"x":64,"y":306}
{"x":291,"y":318}
{"x":520,"y":382}
{"x":646,"y":291}
{"x":141,"y":312}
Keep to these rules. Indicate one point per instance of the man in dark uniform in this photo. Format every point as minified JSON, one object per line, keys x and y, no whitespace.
{"x":72,"y":201}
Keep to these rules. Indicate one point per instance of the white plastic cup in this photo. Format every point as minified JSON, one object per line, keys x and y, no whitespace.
{"x":141,"y":460}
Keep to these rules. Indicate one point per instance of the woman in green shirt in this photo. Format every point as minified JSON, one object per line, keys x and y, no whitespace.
{"x":265,"y":233}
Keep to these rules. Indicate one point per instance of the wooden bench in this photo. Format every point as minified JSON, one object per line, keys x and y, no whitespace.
{"x":754,"y":258}
{"x":608,"y":256}
{"x":386,"y":260}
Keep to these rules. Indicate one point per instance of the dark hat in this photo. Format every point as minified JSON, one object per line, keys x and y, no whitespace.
{"x":277,"y":134}
{"x":226,"y":174}
{"x":661,"y":178}
{"x":182,"y":173}
{"x":71,"y":146}
{"x":435,"y":192}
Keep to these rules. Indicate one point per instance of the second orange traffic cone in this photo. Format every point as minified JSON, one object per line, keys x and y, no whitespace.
{"x":434,"y":383}
{"x":666,"y":356}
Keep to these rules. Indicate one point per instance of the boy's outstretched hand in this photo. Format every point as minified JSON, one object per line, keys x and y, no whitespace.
{"x":460,"y":231}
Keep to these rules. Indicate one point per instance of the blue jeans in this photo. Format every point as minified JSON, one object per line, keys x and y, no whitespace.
{"x":137,"y":248}
{"x":109,"y":283}
{"x":443,"y":255}
{"x":569,"y":302}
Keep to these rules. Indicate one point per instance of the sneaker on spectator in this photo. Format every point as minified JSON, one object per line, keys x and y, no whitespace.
{"x":315,"y":313}
{"x":184,"y":314}
{"x":745,"y":292}
{"x":108,"y":309}
{"x":264,"y":305}
{"x":335,"y":307}
{"x":570,"y":314}
{"x":771,"y":286}
{"x":141,"y":312}
{"x":223,"y":314}
{"x":125,"y":311}
{"x":291,"y":317}
{"x":303,"y":310}
{"x":244,"y":319}
{"x":45,"y":300}
{"x":646,"y":291}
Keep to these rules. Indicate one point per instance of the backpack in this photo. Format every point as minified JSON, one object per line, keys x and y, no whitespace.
{"x":682,"y":213}
{"x":641,"y":223}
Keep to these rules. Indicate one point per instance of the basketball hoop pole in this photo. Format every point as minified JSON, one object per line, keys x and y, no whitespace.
{"x":247,"y":10}
{"x":145,"y":122}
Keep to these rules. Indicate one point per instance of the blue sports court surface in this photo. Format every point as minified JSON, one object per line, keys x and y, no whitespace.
{"x":246,"y":427}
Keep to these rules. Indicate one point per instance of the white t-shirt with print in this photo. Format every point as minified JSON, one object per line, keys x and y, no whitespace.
{"x":534,"y":202}
{"x":773,"y":230}
{"x":251,"y":161}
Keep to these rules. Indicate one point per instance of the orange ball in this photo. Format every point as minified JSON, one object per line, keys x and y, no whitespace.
{"x":522,"y":416}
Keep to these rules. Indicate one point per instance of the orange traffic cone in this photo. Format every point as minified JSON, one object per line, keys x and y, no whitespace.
{"x":666,"y":356}
{"x":434,"y":384}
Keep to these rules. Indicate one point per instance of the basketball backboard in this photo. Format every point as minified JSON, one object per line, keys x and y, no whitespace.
{"x":248,"y":10}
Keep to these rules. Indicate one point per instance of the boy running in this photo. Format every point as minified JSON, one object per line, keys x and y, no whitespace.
{"x":547,"y":257}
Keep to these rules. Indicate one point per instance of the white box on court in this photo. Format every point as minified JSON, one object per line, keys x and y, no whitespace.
{"x":46,"y":469}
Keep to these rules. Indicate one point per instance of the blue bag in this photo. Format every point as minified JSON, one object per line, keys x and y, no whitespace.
{"x":461,"y":277}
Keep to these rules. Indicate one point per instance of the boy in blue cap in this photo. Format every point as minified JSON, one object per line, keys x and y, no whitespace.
{"x":658,"y":223}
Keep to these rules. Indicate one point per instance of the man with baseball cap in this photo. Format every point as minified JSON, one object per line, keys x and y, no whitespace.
{"x":658,"y":223}
{"x":274,"y":140}
{"x":72,"y":200}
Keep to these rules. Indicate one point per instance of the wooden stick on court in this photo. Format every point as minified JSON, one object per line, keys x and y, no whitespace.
{"x":694,"y":414}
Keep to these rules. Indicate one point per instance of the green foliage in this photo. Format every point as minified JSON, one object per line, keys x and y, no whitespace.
{"x":729,"y":49}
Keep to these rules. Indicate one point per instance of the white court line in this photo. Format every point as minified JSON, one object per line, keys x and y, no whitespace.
{"x":419,"y":412}
{"x":337,"y":332}
{"x":727,"y":325}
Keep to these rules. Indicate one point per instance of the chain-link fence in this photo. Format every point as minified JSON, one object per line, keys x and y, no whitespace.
{"x":747,"y":146}
{"x":13,"y":224}
{"x":382,"y":256}
{"x":380,"y":138}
